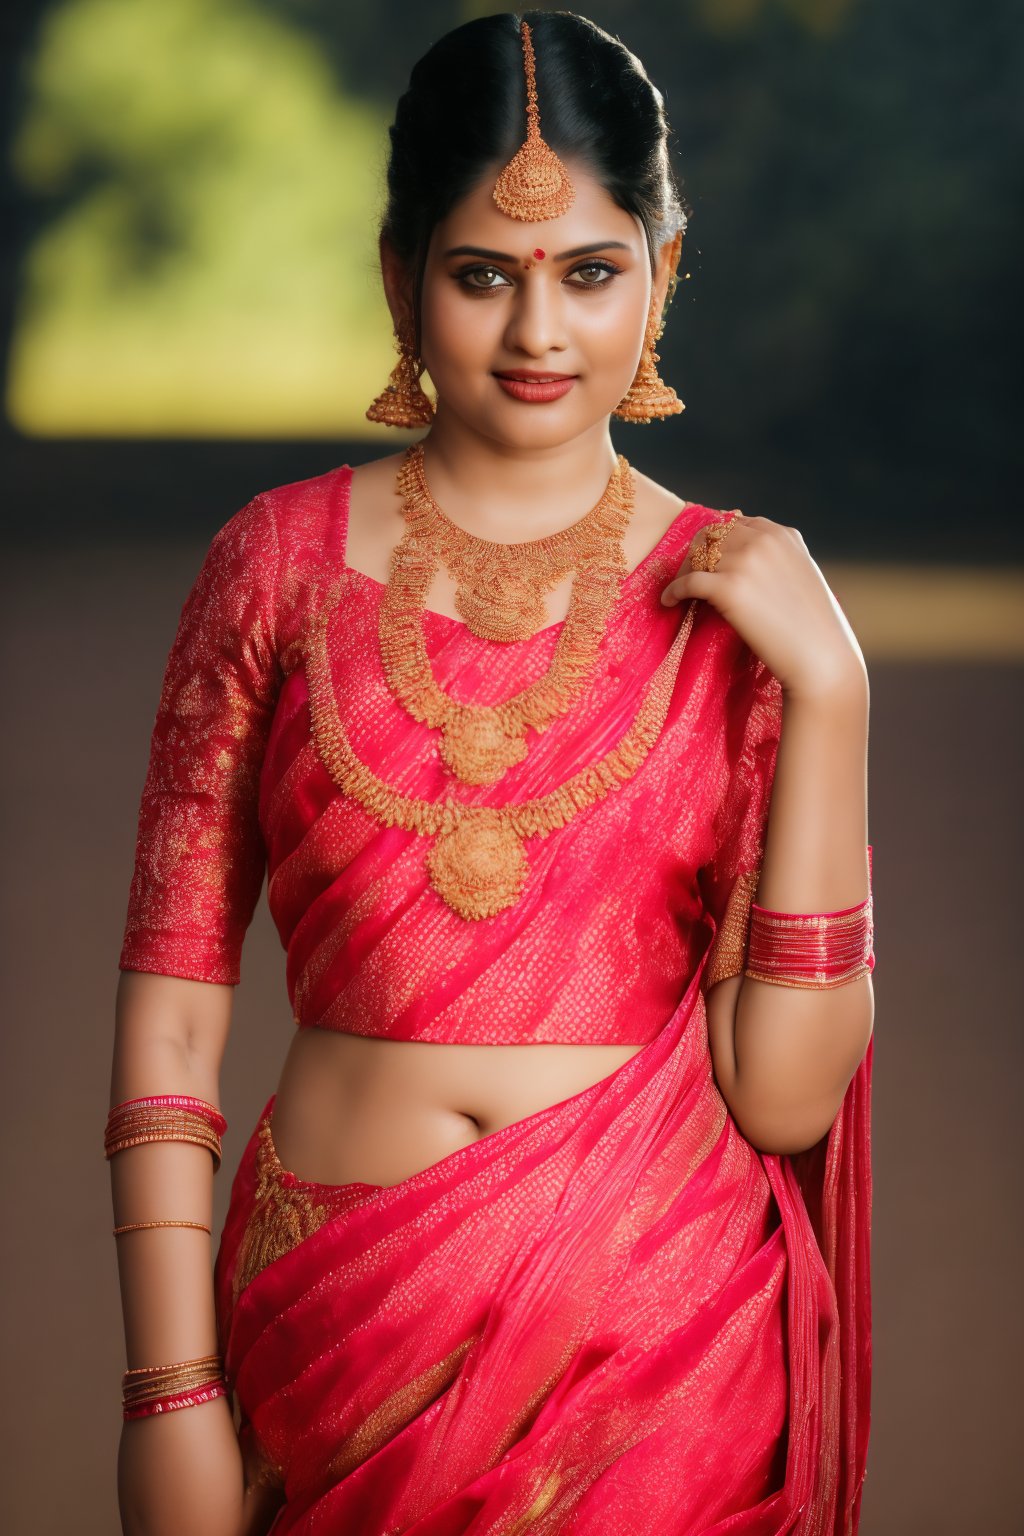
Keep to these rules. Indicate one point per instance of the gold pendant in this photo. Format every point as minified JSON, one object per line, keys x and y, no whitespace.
{"x":476,"y":748}
{"x":479,"y":867}
{"x":506,"y":612}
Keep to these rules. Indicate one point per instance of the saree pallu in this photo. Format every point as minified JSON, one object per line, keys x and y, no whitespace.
{"x":614,"y":1315}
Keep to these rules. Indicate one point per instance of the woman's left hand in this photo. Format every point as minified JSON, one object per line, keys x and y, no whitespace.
{"x":774,"y":595}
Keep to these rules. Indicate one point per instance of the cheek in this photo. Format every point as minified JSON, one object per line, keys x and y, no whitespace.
{"x":456,"y":329}
{"x":619,"y":329}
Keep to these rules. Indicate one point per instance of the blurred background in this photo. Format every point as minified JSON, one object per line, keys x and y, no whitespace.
{"x":191,"y":312}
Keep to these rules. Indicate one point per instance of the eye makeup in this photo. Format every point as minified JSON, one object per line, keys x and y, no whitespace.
{"x":463,"y":276}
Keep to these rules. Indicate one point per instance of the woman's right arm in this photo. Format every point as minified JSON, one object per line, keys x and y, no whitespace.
{"x":199,"y":867}
{"x":179,"y":1471}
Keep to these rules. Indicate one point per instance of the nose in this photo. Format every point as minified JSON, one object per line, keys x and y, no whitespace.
{"x":536,"y":325}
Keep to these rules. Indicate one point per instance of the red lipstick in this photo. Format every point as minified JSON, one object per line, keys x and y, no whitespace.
{"x":533,"y":385}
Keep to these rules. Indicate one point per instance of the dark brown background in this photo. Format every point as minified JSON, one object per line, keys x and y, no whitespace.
{"x":849,"y":350}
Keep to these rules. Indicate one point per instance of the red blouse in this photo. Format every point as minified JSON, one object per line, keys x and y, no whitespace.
{"x":621,"y":903}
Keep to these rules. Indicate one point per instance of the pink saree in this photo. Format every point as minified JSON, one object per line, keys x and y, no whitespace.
{"x":615,"y":1315}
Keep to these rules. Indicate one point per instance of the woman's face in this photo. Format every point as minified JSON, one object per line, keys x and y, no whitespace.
{"x":563,"y":296}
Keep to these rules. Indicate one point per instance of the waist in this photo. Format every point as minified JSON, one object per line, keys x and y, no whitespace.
{"x":353,"y":1107}
{"x":488,"y":1083}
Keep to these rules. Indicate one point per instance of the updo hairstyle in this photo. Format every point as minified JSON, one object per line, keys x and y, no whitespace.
{"x":464,"y":115}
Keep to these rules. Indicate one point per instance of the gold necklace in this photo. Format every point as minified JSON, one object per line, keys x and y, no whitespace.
{"x":478,"y":864}
{"x":481,"y":742}
{"x":500,"y":587}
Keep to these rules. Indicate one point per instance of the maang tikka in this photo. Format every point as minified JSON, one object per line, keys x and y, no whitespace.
{"x":534,"y":185}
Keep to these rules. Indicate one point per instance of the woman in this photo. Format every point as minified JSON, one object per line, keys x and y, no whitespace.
{"x":558,"y":1218}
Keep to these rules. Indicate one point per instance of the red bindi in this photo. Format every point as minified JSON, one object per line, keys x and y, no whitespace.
{"x":539,"y":254}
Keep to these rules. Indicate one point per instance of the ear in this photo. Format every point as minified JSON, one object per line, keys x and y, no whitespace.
{"x":398,"y":285}
{"x":666,"y":265}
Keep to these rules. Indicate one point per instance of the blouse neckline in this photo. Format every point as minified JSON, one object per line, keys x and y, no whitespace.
{"x":433,"y":614}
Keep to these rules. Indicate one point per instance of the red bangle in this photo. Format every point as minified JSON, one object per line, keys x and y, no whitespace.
{"x":191,"y":1399}
{"x":812,"y":949}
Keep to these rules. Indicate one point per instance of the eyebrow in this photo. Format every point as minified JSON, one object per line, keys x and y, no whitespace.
{"x":579,"y":250}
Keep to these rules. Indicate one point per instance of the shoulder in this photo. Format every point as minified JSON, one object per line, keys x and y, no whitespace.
{"x":289,"y":544}
{"x":663,"y":517}
{"x":304,"y":510}
{"x":290,"y":533}
{"x":314,"y":515}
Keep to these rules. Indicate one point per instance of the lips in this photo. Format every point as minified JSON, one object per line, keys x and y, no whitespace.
{"x":530,"y":377}
{"x":535,"y":388}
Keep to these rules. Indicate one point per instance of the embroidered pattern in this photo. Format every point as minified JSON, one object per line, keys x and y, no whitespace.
{"x":281,"y":1216}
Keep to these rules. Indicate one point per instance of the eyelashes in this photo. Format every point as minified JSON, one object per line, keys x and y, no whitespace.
{"x":587,"y":266}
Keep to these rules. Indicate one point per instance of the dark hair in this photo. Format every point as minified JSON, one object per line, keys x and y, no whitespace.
{"x":465,"y":111}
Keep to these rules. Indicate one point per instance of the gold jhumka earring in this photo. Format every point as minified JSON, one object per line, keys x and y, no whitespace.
{"x":402,"y":402}
{"x":648,"y":397}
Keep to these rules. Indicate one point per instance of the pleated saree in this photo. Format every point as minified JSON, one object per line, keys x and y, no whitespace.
{"x":615,"y":1315}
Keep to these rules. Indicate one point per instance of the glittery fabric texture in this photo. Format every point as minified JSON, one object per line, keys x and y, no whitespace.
{"x":199,"y":860}
{"x":618,"y":905}
{"x":613,"y":1315}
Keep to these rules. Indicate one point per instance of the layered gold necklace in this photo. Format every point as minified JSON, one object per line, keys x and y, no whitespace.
{"x":477,"y":863}
{"x":499,"y":593}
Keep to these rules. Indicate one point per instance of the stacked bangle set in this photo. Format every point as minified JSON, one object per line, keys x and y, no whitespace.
{"x":165,"y":1117}
{"x":151,"y":1389}
{"x":812,"y":949}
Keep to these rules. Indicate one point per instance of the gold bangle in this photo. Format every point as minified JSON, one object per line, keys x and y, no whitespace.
{"x":816,"y":983}
{"x":149,"y":1370}
{"x":139,"y":1226}
{"x":211,"y":1143}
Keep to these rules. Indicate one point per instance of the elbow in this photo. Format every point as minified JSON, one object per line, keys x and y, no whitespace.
{"x":784,"y":1132}
{"x":786,"y":1100}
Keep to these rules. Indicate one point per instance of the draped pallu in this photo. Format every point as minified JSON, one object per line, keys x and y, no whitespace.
{"x":615,"y":1314}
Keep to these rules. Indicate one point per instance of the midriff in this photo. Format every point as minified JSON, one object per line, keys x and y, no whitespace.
{"x":359,"y":1109}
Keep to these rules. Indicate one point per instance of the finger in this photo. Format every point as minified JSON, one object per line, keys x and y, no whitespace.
{"x":689,"y":584}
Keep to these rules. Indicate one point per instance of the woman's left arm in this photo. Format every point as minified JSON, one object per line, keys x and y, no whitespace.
{"x":784,"y":1056}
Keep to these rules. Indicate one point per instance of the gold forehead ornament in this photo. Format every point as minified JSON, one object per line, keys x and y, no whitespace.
{"x":535,"y":184}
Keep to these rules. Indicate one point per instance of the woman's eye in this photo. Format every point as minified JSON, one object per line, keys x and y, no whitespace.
{"x":593,"y":274}
{"x":481,"y":272}
{"x":597,"y":266}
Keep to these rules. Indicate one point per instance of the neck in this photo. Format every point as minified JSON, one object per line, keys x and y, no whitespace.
{"x":506,"y":492}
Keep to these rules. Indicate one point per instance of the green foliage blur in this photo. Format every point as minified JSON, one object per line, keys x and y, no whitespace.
{"x":210,"y":267}
{"x":209,"y":174}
